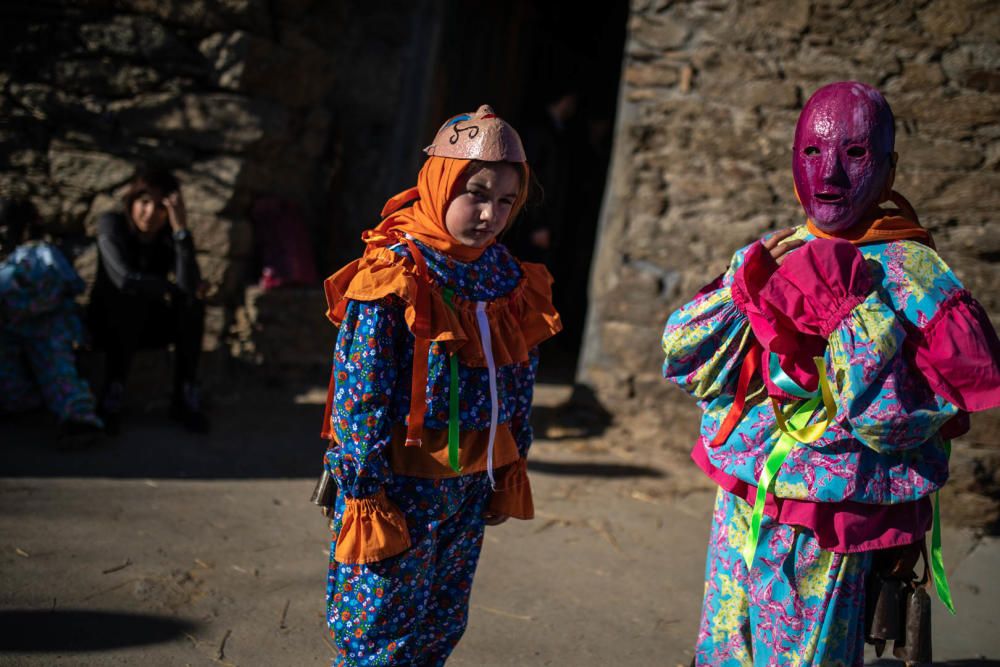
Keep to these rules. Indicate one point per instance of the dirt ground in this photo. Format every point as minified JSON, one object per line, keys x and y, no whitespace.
{"x":164,"y":548}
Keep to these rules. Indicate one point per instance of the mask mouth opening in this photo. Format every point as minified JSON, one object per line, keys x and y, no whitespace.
{"x":829,"y":197}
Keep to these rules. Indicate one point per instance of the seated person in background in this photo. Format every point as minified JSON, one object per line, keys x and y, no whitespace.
{"x":39,"y":327}
{"x":147,"y":293}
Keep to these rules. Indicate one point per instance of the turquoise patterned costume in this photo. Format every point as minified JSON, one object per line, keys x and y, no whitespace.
{"x":863,"y":485}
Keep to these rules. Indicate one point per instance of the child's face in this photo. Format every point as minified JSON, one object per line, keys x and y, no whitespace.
{"x":148,"y":212}
{"x":481,"y":206}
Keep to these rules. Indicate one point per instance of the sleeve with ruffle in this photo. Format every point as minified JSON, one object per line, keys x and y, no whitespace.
{"x":959,"y":354}
{"x":512,"y":496}
{"x":365,"y":375}
{"x":706,"y":340}
{"x":826,"y":289}
{"x":881,"y":394}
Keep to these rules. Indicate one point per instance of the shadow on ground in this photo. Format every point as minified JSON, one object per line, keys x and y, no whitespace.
{"x":70,"y":630}
{"x":581,"y":416}
{"x":584,"y":469}
{"x":257,"y":433}
{"x":974,"y":662}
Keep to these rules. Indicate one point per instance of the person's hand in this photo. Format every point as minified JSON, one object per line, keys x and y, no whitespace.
{"x":778,"y":249}
{"x":817,"y":287}
{"x":176,"y":212}
{"x":493,"y":518}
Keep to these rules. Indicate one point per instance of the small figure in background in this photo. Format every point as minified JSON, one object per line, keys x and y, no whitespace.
{"x":40,"y":328}
{"x":148,"y":294}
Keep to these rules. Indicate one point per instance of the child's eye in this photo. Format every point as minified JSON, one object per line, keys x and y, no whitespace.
{"x":810,"y":151}
{"x":856,"y":151}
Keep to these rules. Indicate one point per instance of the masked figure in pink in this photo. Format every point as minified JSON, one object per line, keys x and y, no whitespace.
{"x":834,"y":362}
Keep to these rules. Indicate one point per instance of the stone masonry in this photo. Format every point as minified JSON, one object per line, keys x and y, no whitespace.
{"x":242,"y":98}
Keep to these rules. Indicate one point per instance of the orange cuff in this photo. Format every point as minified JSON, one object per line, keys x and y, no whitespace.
{"x":373,"y":529}
{"x":512,"y":496}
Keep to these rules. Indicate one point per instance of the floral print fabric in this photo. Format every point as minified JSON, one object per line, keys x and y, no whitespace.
{"x":884,"y":446}
{"x":799,"y":606}
{"x":412,"y":608}
{"x":39,"y":331}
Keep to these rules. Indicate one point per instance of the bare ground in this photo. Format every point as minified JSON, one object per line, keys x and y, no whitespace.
{"x":163,"y":548}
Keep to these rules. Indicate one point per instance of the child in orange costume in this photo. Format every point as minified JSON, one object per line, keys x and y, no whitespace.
{"x":430,"y":397}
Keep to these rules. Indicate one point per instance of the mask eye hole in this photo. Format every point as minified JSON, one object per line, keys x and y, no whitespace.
{"x":856,"y":151}
{"x":810,"y":151}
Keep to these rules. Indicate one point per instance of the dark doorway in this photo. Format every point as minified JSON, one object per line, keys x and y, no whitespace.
{"x":553,"y":70}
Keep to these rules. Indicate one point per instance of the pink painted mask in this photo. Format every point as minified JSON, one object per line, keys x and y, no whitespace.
{"x":842,"y":159}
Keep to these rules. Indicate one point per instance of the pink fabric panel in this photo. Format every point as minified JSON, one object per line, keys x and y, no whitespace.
{"x":816,"y":287}
{"x":959,"y":354}
{"x":795,"y":350}
{"x":845,"y":527}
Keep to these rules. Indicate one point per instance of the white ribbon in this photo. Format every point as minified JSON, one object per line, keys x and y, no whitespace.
{"x":484,"y":335}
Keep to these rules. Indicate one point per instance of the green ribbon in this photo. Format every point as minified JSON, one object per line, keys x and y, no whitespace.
{"x":453,"y":416}
{"x":765,"y":484}
{"x":937,"y":560}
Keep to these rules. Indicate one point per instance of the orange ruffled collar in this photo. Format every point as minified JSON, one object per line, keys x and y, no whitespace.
{"x":890,"y":225}
{"x":517,"y":322}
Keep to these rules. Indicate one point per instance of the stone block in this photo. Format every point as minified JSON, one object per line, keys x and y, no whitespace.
{"x":295,"y":72}
{"x":919,"y":77}
{"x":87,"y":170}
{"x":791,"y":16}
{"x":225,"y":277}
{"x":212,"y":187}
{"x":135,"y":35}
{"x":919,"y":152}
{"x":655,"y":75}
{"x":222,"y":237}
{"x":658,"y":32}
{"x":973,"y":191}
{"x":102,"y":203}
{"x":105,"y":77}
{"x":287,"y":328}
{"x":253,"y":15}
{"x":942,"y":20}
{"x":85,"y":263}
{"x":208,"y":121}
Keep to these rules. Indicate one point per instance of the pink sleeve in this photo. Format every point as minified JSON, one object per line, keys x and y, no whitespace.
{"x":794,"y":350}
{"x":959,"y":354}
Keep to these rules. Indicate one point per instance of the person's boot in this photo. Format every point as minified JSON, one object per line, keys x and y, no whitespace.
{"x":186,"y":409}
{"x":110,"y":407}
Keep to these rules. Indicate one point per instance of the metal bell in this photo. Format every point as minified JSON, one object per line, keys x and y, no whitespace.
{"x":325,"y":493}
{"x":885,"y":622}
{"x":915,"y":647}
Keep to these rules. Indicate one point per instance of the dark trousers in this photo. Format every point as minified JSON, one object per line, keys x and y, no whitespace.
{"x":122,"y":324}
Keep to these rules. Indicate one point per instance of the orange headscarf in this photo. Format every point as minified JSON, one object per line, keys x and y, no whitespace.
{"x":424,"y":220}
{"x":888,"y":225}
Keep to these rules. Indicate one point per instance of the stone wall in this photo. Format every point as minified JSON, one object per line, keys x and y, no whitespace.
{"x":242,"y":98}
{"x":710,"y":95}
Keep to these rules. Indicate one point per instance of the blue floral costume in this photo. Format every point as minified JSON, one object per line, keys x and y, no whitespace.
{"x":39,"y":330}
{"x":408,"y":526}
